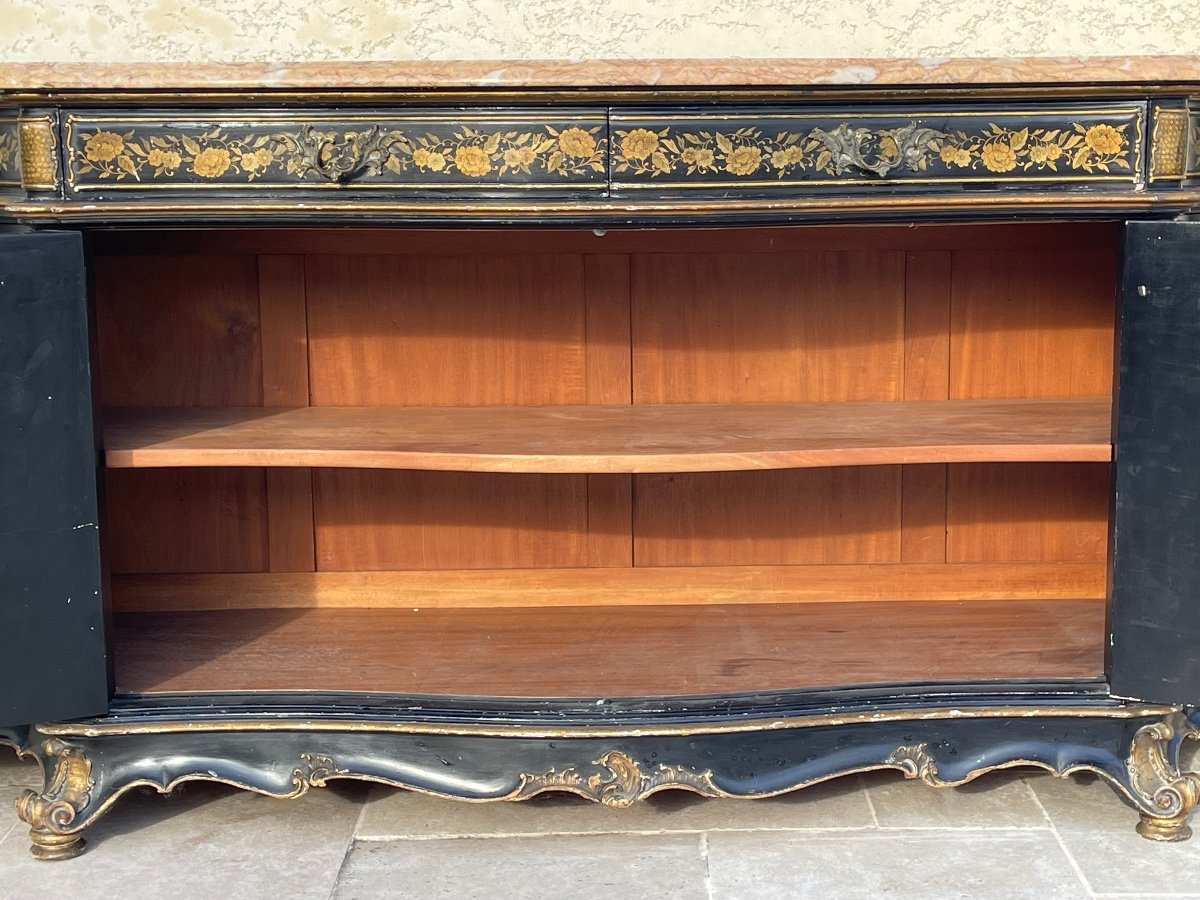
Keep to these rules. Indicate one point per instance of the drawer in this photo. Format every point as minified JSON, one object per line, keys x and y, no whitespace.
{"x":425,"y":150}
{"x":786,"y":150}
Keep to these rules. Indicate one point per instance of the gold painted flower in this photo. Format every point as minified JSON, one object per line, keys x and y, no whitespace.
{"x":103,"y":146}
{"x":576,"y":142}
{"x":743,"y":160}
{"x":700,"y":157}
{"x":962,"y":157}
{"x":789,"y":156}
{"x":948,"y":153}
{"x":1104,"y":139}
{"x":436,"y":162}
{"x":212,"y":162}
{"x":518,"y":157}
{"x":472,"y":161}
{"x":639,"y":143}
{"x":1053,"y":152}
{"x":421,"y":157}
{"x":1039,"y":153}
{"x":998,"y":156}
{"x":257,"y":160}
{"x":164,"y":159}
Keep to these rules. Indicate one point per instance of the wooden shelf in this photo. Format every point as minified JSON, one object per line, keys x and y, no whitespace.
{"x":597,"y":652}
{"x":597,"y":439}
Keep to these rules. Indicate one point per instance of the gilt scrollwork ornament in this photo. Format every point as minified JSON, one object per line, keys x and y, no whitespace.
{"x":1167,"y":795}
{"x":316,"y":772}
{"x":51,"y":814}
{"x":619,"y":781}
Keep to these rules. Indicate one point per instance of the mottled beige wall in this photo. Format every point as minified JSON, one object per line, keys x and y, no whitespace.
{"x":279,"y":30}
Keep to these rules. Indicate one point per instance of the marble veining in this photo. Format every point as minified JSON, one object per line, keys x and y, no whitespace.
{"x":605,"y":72}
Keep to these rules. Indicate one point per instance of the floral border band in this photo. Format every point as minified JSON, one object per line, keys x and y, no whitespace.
{"x":10,"y":153}
{"x":318,"y":150}
{"x":768,"y":149}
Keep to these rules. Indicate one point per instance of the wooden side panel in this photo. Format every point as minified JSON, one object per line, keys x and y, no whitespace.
{"x":1030,"y":323}
{"x":182,"y":331}
{"x":187,"y":520}
{"x":759,"y":328}
{"x":468,"y":331}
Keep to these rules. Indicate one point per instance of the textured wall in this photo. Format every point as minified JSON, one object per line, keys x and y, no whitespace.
{"x":293,"y":30}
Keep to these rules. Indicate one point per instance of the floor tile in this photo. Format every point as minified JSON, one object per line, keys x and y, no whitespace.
{"x":1098,"y":830}
{"x":391,"y":813}
{"x":996,"y":800}
{"x":17,"y":772}
{"x":209,"y":842}
{"x":1083,"y":801}
{"x":929,"y":865}
{"x":591,"y":867}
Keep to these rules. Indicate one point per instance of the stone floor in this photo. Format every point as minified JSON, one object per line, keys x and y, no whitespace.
{"x":1008,"y":835}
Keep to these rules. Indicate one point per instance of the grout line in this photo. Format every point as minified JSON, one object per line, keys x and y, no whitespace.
{"x":1083,"y":880}
{"x":337,"y":877}
{"x":500,"y":835}
{"x":870,"y":803}
{"x":708,"y":888}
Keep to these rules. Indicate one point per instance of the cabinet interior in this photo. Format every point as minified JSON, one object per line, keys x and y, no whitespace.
{"x":780,"y":458}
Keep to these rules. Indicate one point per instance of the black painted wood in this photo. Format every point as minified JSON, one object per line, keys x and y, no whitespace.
{"x":1155,"y":620}
{"x":52,"y":654}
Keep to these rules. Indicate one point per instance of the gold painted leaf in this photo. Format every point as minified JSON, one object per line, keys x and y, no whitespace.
{"x":392,"y":164}
{"x":824,"y":158}
{"x":660,"y":161}
{"x":1018,"y":139}
{"x":555,"y":161}
{"x":544,"y":146}
{"x":125,"y":164}
{"x":1080,"y":158}
{"x":725,"y":145}
{"x":190,"y":145}
{"x":552,"y":130}
{"x":492,"y":143}
{"x":670,"y":145}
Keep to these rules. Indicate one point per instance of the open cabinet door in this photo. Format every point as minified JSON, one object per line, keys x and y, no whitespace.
{"x":53,"y":663}
{"x":1154,"y":650}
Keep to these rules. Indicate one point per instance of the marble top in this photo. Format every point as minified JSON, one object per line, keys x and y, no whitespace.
{"x":600,"y":73}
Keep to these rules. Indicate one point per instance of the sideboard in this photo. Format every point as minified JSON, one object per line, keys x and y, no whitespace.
{"x":606,"y":435}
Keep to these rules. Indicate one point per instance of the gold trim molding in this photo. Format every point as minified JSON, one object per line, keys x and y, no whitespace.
{"x":100,"y":729}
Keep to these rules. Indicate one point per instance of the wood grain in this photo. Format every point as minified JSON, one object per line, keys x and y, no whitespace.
{"x":1020,"y":513}
{"x":375,"y":519}
{"x":186,"y":520}
{"x":654,"y":438}
{"x":589,"y":652}
{"x":178,"y":331}
{"x":643,"y":586}
{"x":282,"y":310}
{"x":927,"y":276}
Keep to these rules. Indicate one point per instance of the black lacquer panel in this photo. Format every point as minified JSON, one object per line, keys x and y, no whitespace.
{"x":1155,"y":647}
{"x":52,"y":654}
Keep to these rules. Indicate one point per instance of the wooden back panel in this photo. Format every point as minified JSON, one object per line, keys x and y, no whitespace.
{"x":833,"y":314}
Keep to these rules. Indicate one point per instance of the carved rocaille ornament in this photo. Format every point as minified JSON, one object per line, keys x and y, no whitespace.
{"x":52,"y":814}
{"x":619,"y":781}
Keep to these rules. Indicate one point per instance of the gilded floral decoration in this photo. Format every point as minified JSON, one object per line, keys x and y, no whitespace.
{"x":749,"y":152}
{"x":218,"y":154}
{"x":10,"y":162}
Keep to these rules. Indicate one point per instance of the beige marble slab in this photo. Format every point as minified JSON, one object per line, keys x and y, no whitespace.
{"x":601,"y":72}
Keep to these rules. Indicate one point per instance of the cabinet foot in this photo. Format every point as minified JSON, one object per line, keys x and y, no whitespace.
{"x":49,"y":846}
{"x":1175,"y":828}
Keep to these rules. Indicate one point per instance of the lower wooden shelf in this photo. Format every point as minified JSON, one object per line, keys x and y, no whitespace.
{"x":607,"y":652}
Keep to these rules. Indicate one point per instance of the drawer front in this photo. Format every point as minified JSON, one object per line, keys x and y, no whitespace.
{"x":786,"y":150}
{"x":426,"y":150}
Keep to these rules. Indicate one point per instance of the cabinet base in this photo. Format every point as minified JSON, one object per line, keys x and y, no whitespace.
{"x":89,"y":765}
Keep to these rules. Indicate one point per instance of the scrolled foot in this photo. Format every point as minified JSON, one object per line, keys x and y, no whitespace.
{"x":49,"y":846}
